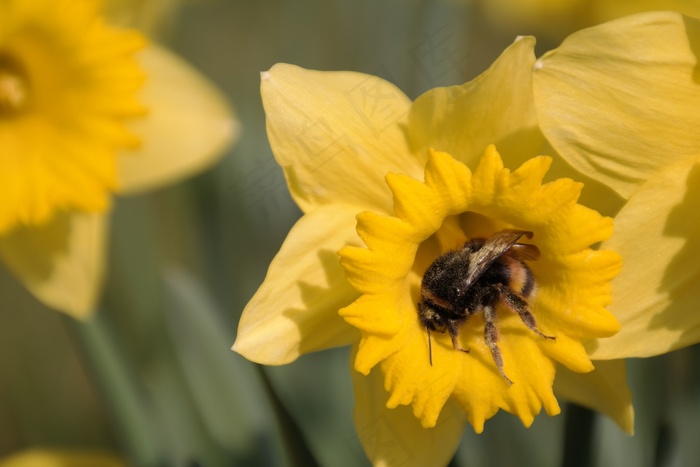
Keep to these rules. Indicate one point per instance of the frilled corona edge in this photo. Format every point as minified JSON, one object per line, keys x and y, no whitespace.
{"x":452,"y":205}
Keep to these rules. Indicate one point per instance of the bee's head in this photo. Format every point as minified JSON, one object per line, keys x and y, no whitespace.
{"x":431,"y":318}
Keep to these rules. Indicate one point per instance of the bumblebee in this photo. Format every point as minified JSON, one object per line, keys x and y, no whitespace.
{"x":478,"y":277}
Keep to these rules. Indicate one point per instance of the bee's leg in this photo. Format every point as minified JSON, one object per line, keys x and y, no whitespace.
{"x":519,"y":305}
{"x":491,"y":337}
{"x":453,"y":329}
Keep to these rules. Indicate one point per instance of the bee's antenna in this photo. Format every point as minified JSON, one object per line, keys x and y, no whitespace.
{"x":430,"y":346}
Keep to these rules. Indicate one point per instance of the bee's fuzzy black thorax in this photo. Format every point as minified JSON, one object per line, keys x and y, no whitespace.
{"x":482,"y":275}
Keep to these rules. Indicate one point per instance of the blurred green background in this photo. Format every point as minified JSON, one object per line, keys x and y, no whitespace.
{"x":152,"y":377}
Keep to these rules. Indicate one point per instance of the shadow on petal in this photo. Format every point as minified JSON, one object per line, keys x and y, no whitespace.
{"x":655,"y":297}
{"x":31,"y":250}
{"x":318,"y":322}
{"x":694,"y":40}
{"x":683,"y":270}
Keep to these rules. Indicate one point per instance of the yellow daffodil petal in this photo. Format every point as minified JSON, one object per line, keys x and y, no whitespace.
{"x":59,"y":458}
{"x":604,"y":390}
{"x":452,"y":205}
{"x":463,"y":120}
{"x":393,"y":436}
{"x":595,"y":194}
{"x":620,"y":100}
{"x":655,"y":297}
{"x":331,"y":130}
{"x":62,"y":262}
{"x":295,"y":311}
{"x":188,"y":125}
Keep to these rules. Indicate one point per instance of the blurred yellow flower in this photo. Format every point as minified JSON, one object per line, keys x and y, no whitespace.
{"x":70,"y":89}
{"x":616,"y":113}
{"x":561,"y":17}
{"x":54,"y":458}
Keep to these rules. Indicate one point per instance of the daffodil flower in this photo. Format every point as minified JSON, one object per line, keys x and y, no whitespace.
{"x":87,"y":110}
{"x":387,"y":186}
{"x":365,"y":174}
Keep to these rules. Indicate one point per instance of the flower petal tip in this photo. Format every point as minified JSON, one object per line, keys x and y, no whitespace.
{"x":240,"y":349}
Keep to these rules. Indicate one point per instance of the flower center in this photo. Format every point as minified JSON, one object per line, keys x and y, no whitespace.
{"x":480,"y":276}
{"x":449,"y":307}
{"x":14,"y":87}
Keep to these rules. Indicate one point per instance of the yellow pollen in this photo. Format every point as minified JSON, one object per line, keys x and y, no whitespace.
{"x":14,"y":86}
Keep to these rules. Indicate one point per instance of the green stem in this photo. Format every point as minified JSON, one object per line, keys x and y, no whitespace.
{"x":578,"y":437}
{"x":298,"y":452}
{"x":116,"y":381}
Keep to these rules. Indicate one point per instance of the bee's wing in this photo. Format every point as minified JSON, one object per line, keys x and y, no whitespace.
{"x":526,"y":251}
{"x":493,"y":249}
